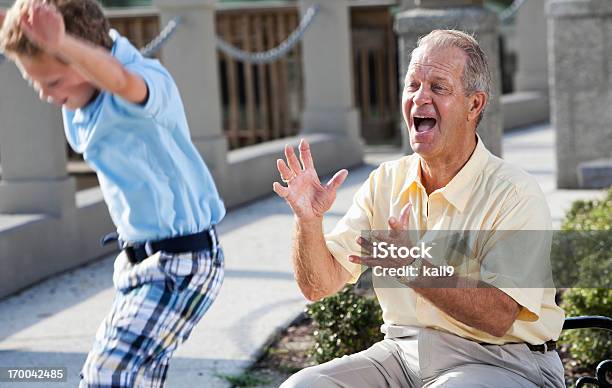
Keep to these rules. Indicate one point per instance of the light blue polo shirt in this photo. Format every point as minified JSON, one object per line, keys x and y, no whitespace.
{"x":153,"y":179}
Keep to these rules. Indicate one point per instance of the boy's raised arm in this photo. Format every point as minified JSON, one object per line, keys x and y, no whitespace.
{"x":44,"y":26}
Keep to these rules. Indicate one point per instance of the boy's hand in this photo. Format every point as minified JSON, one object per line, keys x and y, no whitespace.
{"x":44,"y":26}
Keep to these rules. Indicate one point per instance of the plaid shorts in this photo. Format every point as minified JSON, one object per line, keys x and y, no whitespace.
{"x":157,"y":304}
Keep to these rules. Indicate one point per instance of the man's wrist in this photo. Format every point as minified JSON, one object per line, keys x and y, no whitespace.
{"x":309,"y":222}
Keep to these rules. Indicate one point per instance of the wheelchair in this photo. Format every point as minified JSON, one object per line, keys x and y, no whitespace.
{"x":604,"y":367}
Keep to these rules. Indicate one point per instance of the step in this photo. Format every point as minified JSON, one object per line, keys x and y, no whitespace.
{"x":595,"y":174}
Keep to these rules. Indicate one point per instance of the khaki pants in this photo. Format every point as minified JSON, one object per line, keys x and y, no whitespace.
{"x":432,"y":358}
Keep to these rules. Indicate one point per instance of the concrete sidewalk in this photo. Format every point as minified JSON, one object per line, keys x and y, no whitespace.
{"x":53,"y":323}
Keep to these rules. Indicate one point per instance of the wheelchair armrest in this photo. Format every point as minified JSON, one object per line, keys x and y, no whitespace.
{"x":588,"y":322}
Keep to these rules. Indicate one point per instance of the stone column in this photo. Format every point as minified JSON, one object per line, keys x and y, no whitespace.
{"x":407,"y":4}
{"x":191,"y":57}
{"x":468,"y":16}
{"x":328,"y":72}
{"x":532,"y":72}
{"x":580,"y":64}
{"x":32,"y":151}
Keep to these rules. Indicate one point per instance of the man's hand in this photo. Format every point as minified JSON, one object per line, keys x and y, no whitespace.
{"x":44,"y":26}
{"x":397,"y":236}
{"x":317,"y":273}
{"x":308,"y":198}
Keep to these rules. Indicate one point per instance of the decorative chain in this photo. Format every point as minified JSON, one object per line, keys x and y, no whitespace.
{"x":276,"y":52}
{"x":166,"y":33}
{"x":509,"y":12}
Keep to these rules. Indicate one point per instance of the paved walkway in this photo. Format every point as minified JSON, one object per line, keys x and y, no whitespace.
{"x":53,"y":323}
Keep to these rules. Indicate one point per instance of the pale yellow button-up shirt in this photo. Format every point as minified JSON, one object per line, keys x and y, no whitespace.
{"x":487,"y":194}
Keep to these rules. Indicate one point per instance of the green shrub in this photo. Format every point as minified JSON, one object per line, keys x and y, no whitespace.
{"x":582,"y":250}
{"x":591,"y":264}
{"x":345,"y":323}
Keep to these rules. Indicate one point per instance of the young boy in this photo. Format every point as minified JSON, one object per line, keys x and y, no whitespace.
{"x":124,"y":114}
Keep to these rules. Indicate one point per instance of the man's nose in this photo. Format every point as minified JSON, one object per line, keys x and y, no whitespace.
{"x":421,"y":96}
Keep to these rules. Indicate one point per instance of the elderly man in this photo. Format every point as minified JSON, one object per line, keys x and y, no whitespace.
{"x":437,"y":334}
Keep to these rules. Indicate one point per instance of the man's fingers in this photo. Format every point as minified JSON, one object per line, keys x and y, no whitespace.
{"x":405,"y":216}
{"x":404,"y":220}
{"x":292,"y":160}
{"x":337,"y":180}
{"x":285,"y":172}
{"x":399,"y":226}
{"x":281,"y":190}
{"x":366,"y":246}
{"x":305,"y":155}
{"x":360,"y":260}
{"x":393,"y":227}
{"x":380,"y":235}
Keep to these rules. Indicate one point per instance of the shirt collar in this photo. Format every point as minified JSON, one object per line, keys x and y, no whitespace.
{"x":459,"y":189}
{"x":414,"y":173}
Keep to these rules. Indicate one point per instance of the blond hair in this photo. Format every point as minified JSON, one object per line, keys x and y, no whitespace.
{"x":83,"y":19}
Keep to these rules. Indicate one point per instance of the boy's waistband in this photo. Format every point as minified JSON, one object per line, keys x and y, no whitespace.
{"x":137,"y":252}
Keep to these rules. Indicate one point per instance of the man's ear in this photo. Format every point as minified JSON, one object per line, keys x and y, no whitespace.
{"x":477,"y":103}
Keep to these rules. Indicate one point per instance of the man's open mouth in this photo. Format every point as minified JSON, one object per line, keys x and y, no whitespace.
{"x":424,"y":124}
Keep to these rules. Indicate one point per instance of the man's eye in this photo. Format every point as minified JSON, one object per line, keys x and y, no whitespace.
{"x":438,"y":88}
{"x":413,"y":86}
{"x":54,"y":84}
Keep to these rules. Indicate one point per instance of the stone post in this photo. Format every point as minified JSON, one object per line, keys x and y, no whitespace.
{"x":191,"y":57}
{"x":32,"y":151}
{"x":528,"y":104}
{"x":532,"y":72}
{"x":328,"y":72}
{"x":464,"y":15}
{"x":580,"y":64}
{"x":407,"y":4}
